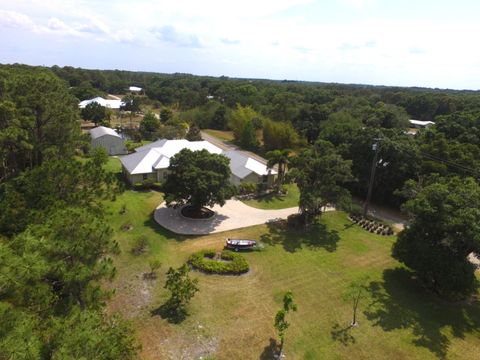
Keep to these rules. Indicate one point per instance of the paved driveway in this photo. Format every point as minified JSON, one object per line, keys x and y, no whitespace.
{"x":233,"y":215}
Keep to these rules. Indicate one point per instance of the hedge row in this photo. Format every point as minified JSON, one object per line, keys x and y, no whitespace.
{"x":232,"y":264}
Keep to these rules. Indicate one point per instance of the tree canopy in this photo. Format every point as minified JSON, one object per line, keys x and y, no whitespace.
{"x":198,"y":178}
{"x":320,"y":174}
{"x":444,"y":228}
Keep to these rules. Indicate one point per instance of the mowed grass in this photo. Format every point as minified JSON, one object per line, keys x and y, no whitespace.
{"x":232,"y":316}
{"x":220,"y":134}
{"x":274,"y":201}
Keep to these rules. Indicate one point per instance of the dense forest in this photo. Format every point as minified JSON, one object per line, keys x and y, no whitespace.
{"x":54,"y":240}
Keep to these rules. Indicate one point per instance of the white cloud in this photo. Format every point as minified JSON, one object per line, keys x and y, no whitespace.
{"x":17,"y":20}
{"x":170,"y":35}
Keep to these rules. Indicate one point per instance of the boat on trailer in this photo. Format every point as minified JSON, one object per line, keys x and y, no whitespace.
{"x":240,"y":244}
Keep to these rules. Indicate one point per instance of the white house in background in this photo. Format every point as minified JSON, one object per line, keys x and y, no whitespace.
{"x":135,"y":89}
{"x":109,"y":140}
{"x":152,"y":161}
{"x":110,"y":104}
{"x":420,"y":124}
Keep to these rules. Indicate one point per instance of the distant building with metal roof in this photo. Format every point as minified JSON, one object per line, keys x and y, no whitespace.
{"x":110,"y":104}
{"x":420,"y":123}
{"x":108,"y":139}
{"x":135,"y":89}
{"x":151,"y":161}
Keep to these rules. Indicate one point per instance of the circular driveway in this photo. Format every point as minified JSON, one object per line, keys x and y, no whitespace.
{"x":233,"y":215}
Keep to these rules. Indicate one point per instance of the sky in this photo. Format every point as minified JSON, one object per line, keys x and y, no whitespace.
{"x":424,"y":43}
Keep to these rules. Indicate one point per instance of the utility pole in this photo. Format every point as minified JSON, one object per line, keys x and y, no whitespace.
{"x":376,"y":148}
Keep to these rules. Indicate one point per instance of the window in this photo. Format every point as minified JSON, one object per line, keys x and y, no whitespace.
{"x":165,"y":174}
{"x":145,"y":176}
{"x":264,"y":179}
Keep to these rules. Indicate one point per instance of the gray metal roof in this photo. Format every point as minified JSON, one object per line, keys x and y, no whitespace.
{"x":102,"y":131}
{"x":157,"y":155}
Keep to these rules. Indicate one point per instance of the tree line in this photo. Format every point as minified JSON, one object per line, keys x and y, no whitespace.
{"x":55,"y":242}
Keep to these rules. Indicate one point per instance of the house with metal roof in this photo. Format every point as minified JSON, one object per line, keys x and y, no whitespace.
{"x":151,"y":161}
{"x":420,"y":124}
{"x":110,"y":104}
{"x":108,"y":139}
{"x":135,"y":89}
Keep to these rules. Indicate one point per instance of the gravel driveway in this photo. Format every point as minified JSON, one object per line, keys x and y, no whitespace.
{"x":233,"y":215}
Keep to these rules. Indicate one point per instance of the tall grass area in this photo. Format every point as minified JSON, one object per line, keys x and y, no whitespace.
{"x":232,"y":316}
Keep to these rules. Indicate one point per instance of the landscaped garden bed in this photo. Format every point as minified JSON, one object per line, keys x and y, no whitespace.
{"x":373,"y":226}
{"x":224,"y":263}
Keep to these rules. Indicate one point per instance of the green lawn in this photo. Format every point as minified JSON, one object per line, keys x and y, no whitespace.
{"x":220,"y":134}
{"x":113,"y":164}
{"x":274,"y":201}
{"x":232,"y":316}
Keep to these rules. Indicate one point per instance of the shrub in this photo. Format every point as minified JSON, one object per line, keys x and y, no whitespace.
{"x":157,"y":186}
{"x":261,"y":187}
{"x":146,"y":184}
{"x":154,"y":265}
{"x":233,"y":264}
{"x":247,"y":188}
{"x":140,"y":245}
{"x":356,"y":210}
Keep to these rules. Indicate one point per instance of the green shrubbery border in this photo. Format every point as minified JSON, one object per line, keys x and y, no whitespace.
{"x":234,"y":264}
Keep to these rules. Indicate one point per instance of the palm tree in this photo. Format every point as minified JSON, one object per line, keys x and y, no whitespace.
{"x":281,"y":158}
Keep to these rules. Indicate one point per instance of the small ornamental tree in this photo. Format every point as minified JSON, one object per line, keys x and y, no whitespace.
{"x":281,"y":323}
{"x":444,"y":228}
{"x":355,"y":291}
{"x":182,"y":289}
{"x":198,"y":178}
{"x":280,"y":157}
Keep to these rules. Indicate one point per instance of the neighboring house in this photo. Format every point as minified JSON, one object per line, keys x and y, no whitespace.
{"x":135,"y":89}
{"x":152,"y":161}
{"x":418,"y":124}
{"x":109,"y":140}
{"x":110,"y":104}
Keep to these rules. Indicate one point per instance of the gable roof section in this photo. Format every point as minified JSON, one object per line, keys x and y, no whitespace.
{"x":101,"y":131}
{"x":243,"y":165}
{"x":141,"y":162}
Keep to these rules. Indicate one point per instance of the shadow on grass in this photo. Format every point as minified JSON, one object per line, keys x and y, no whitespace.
{"x":267,"y":199}
{"x":160,"y":230}
{"x":172,"y":315}
{"x":317,"y":236}
{"x":270,"y":350}
{"x":343,"y":335}
{"x":400,"y":302}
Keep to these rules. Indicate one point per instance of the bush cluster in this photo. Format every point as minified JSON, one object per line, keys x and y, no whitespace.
{"x":148,"y":184}
{"x":247,"y":188}
{"x":206,"y":261}
{"x":371,"y":225}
